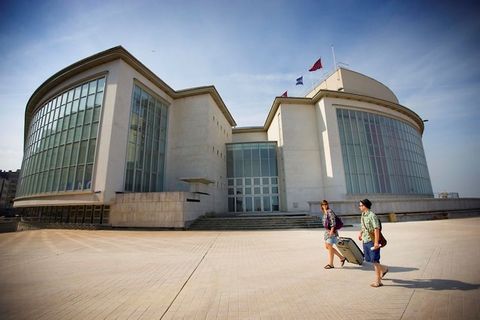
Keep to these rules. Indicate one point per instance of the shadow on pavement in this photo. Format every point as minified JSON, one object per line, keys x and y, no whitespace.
{"x":391,"y":269}
{"x":434,"y":284}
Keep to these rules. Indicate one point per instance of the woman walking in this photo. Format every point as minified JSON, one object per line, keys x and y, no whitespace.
{"x":331,"y":235}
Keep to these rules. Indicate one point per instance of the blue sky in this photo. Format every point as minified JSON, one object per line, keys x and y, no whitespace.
{"x":425,"y":51}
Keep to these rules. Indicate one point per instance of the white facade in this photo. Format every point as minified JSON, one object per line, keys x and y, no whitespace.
{"x":310,"y":154}
{"x":311,"y":163}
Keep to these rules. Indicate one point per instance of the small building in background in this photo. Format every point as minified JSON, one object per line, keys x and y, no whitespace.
{"x":8,"y":189}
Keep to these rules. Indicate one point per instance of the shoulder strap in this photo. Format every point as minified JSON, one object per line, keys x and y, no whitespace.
{"x":363,"y":222}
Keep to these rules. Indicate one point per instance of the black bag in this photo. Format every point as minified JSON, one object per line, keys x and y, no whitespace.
{"x":338,"y":221}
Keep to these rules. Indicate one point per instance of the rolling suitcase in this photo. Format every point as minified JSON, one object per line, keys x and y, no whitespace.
{"x":349,"y":249}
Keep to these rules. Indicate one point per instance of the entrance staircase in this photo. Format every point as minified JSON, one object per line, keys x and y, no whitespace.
{"x":257,"y":222}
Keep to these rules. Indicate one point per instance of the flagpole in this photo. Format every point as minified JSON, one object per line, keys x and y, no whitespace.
{"x":334,"y":61}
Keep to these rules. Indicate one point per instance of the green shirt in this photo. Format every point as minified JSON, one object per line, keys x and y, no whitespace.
{"x":369,"y":222}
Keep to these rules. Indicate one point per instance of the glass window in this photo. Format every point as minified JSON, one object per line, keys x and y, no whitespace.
{"x":146,"y":146}
{"x":380,"y":155}
{"x":252,"y":165}
{"x":54,"y":127}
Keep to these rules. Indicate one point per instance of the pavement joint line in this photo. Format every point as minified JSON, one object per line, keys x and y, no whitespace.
{"x":414,"y":290}
{"x":408,"y":303}
{"x":191,"y":274}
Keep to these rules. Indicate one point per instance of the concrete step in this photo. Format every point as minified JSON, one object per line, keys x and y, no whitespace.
{"x":256,"y":222}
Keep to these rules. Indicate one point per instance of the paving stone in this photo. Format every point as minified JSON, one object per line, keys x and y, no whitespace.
{"x":268,"y":274}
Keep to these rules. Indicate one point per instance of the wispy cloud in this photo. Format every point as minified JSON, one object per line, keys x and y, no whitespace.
{"x":254,"y":51}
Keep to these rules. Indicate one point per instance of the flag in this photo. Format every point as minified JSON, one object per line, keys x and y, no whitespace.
{"x":317,"y":65}
{"x":285,"y":95}
{"x":300,"y":81}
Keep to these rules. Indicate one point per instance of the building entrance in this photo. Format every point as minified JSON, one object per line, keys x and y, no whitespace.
{"x":252,"y":177}
{"x":256,"y":194}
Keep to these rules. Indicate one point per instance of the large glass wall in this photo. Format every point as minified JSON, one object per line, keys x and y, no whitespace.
{"x":252,"y":177}
{"x":60,"y":147}
{"x":382,"y":155}
{"x":146,"y":143}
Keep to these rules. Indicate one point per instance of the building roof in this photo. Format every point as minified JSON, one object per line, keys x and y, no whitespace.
{"x":343,"y":84}
{"x":350,"y":81}
{"x":342,"y":95}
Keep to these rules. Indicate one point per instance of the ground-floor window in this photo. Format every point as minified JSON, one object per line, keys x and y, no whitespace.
{"x":252,"y":177}
{"x":253,"y":194}
{"x":83,"y":215}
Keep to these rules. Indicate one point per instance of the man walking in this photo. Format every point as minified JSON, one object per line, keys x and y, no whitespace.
{"x":369,"y":235}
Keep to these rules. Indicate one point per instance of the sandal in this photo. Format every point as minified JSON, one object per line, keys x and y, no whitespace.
{"x":328,"y":266}
{"x":384,"y":273}
{"x":342,"y":262}
{"x":376,"y":284}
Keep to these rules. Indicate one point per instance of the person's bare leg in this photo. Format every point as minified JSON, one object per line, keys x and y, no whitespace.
{"x":330,"y":249}
{"x":378,"y":272}
{"x":335,"y":251}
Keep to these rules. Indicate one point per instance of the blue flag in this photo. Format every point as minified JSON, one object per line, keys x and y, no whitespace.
{"x":300,"y":81}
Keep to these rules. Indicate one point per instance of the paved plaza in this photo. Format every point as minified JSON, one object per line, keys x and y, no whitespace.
{"x":76,"y":274}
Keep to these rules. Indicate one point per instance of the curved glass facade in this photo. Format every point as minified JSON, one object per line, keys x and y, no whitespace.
{"x":252,"y":177}
{"x":382,"y":155}
{"x":146,"y":143}
{"x":60,"y":146}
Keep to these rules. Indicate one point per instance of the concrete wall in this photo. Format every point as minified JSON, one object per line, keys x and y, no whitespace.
{"x":275,"y":133}
{"x":157,"y":209}
{"x":301,"y":156}
{"x":333,"y":173}
{"x":219,"y":134}
{"x":249,"y":136}
{"x":399,"y":205}
{"x":197,"y":135}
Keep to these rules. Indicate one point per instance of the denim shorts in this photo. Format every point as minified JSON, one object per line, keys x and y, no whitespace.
{"x":371,"y":255}
{"x":331,"y":240}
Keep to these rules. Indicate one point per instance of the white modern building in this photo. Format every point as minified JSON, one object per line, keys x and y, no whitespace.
{"x":108,"y":142}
